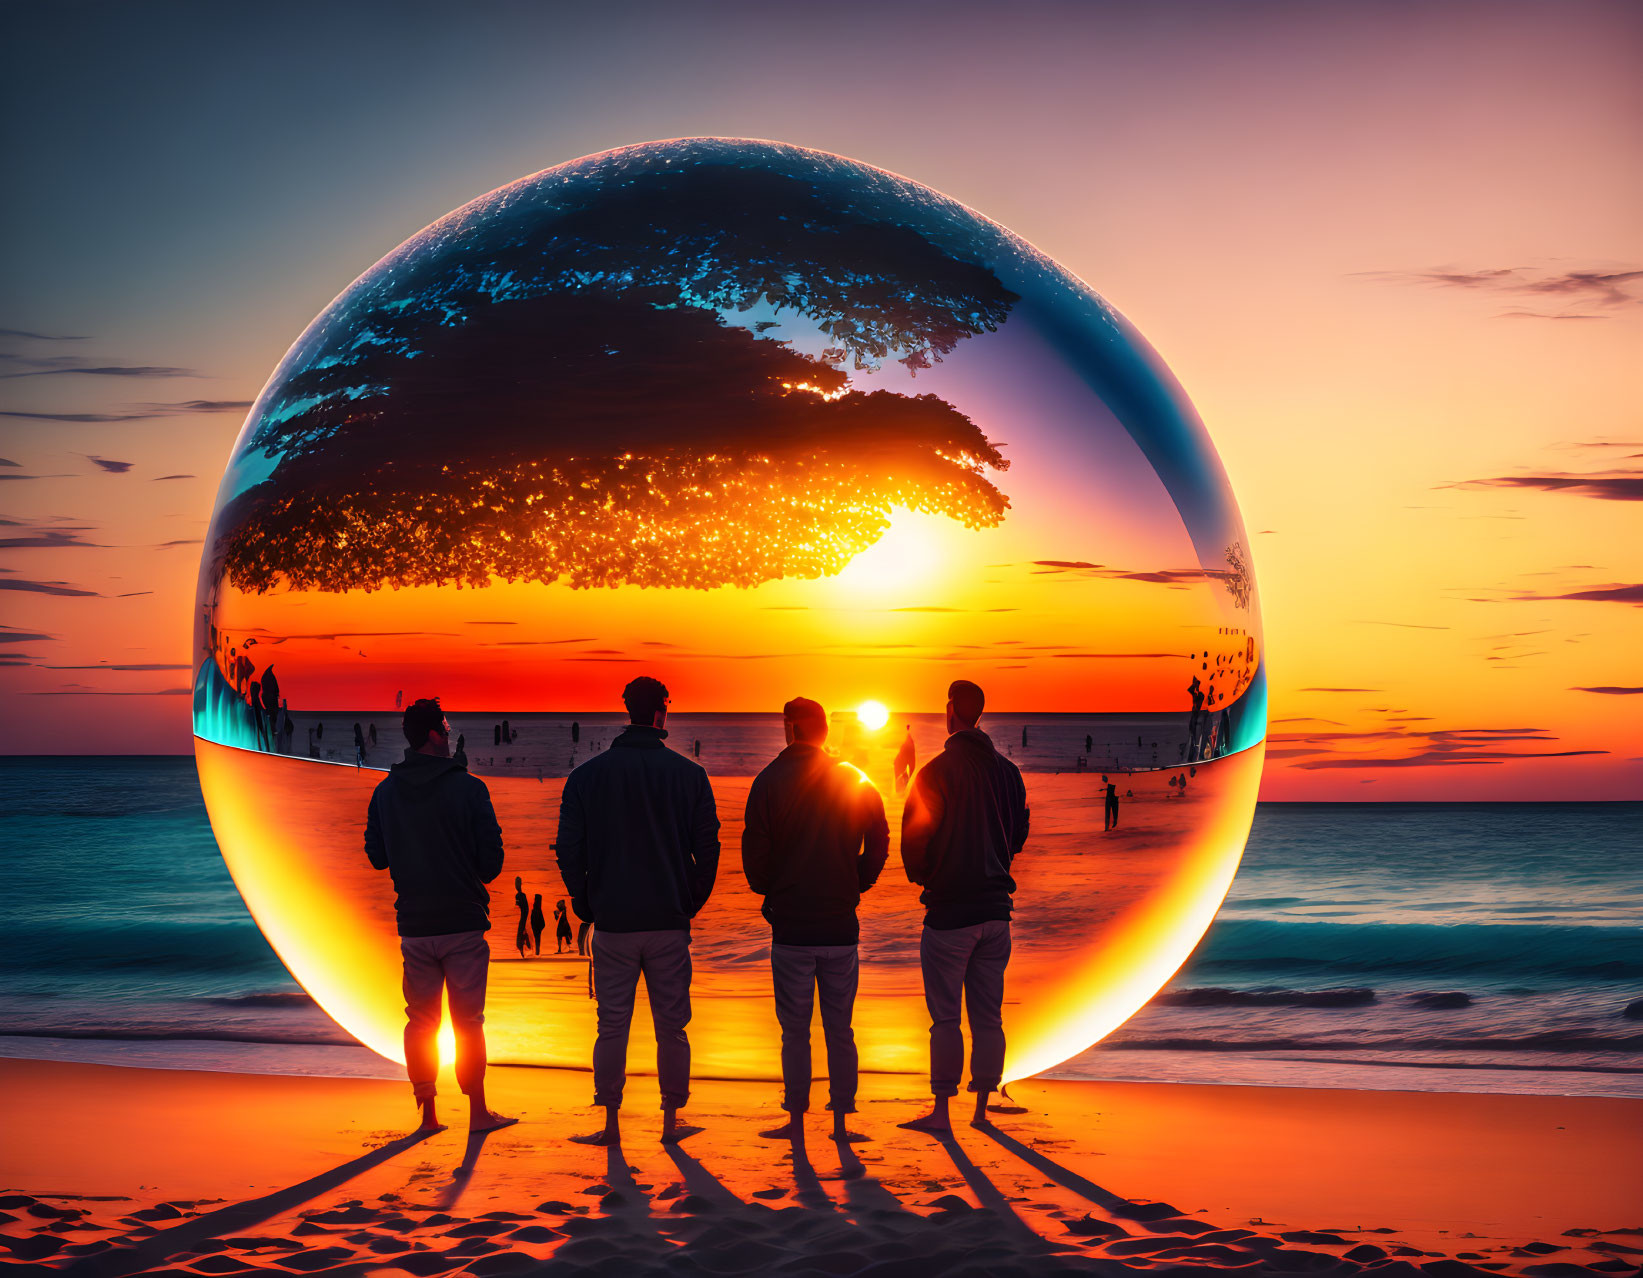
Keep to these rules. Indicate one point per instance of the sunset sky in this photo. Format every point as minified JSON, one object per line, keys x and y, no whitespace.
{"x":1393,"y":253}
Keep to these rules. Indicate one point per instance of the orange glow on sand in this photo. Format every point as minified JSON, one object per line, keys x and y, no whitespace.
{"x":1100,"y":924}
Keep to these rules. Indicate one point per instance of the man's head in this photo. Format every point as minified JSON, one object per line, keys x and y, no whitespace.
{"x":646,"y":700}
{"x":804,"y":720}
{"x":425,"y":728}
{"x":964,"y":703}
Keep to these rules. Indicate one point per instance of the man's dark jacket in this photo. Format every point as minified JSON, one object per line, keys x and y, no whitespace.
{"x":965,"y":821}
{"x":638,"y":841}
{"x":815,"y":840}
{"x":432,"y":827}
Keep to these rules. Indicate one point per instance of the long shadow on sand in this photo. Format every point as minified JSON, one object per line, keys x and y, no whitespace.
{"x":452,"y":1193}
{"x":232,"y":1219}
{"x":628,"y":1198}
{"x":865,"y":1197}
{"x":987,"y":1194}
{"x":1080,"y":1185}
{"x":701,"y":1182}
{"x":807,"y":1186}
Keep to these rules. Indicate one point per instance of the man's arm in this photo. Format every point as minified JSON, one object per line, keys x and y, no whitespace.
{"x":756,"y":838}
{"x":1023,"y":815}
{"x":704,"y":845}
{"x":487,"y":834}
{"x":918,"y":822}
{"x":374,"y":848}
{"x":875,"y":837}
{"x":571,"y":848}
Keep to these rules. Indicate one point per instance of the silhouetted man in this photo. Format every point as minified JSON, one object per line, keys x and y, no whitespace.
{"x":1195,"y":690}
{"x":906,"y":760}
{"x":1111,"y":805}
{"x":638,"y":847}
{"x":815,"y":839}
{"x":432,"y":827}
{"x":270,"y":694}
{"x":964,"y":824}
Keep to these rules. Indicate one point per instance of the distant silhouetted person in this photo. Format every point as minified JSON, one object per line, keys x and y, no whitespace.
{"x":522,"y":937}
{"x":1024,"y":736}
{"x":496,"y":734}
{"x":906,"y":760}
{"x":271,"y":706}
{"x":432,"y":827}
{"x":539,"y":922}
{"x":1194,"y":720}
{"x":371,"y":735}
{"x":507,"y":733}
{"x":319,"y":731}
{"x":359,"y":746}
{"x":696,"y":749}
{"x":460,"y":754}
{"x":1089,"y":744}
{"x":638,"y":847}
{"x":964,"y":824}
{"x":575,"y":731}
{"x":561,"y":929}
{"x":815,"y":839}
{"x":1111,"y":805}
{"x":253,"y":698}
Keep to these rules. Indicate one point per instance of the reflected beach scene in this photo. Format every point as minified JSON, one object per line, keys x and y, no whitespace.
{"x":760,"y":422}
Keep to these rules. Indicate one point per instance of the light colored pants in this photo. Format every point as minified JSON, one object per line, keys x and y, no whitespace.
{"x":967,"y":961}
{"x":456,"y":964}
{"x":798,"y":972}
{"x":619,"y":958}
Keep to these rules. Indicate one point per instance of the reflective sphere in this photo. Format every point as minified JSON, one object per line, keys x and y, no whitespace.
{"x":760,"y":422}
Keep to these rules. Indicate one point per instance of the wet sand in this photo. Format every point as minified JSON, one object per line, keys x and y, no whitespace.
{"x":111,"y":1171}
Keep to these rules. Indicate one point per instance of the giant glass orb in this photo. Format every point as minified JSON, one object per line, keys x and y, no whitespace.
{"x":761,"y":422}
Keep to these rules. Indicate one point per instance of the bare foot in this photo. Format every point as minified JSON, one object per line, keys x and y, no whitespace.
{"x":430,"y":1119}
{"x":596,"y":1138}
{"x":489,"y":1121}
{"x":936,"y":1124}
{"x":846,"y":1137}
{"x":793,"y":1129}
{"x":678,"y":1133}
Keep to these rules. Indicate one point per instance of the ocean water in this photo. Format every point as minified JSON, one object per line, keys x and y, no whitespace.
{"x":1455,"y":947}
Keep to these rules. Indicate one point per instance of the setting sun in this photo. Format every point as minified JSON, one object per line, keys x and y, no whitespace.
{"x":873,"y":715}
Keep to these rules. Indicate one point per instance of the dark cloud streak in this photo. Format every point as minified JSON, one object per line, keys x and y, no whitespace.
{"x":44,"y":588}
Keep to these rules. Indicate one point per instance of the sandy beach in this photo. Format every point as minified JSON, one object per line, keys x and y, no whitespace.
{"x":109,"y":1171}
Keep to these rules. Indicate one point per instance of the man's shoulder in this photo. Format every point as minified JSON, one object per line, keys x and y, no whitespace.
{"x":469,"y":783}
{"x":939,"y":767}
{"x":769,"y":775}
{"x":681,"y":764}
{"x":663,"y":760}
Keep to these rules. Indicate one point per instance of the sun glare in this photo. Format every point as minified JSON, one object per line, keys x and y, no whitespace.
{"x":873,"y":715}
{"x":908,"y":557}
